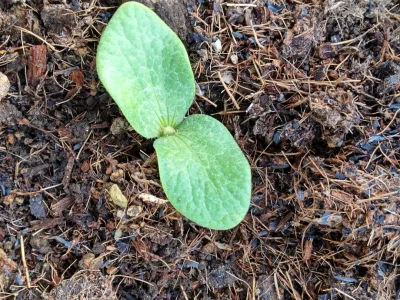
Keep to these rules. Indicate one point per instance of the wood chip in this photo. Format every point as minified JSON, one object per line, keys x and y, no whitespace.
{"x":152,"y":199}
{"x":68,"y":171}
{"x":308,"y":247}
{"x":46,"y":223}
{"x":28,"y":173}
{"x":37,"y":61}
{"x":77,"y":77}
{"x":61,"y":205}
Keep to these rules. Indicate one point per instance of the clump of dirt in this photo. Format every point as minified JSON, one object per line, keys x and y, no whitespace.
{"x":298,"y":134}
{"x":305,"y":34}
{"x":8,"y":267}
{"x":15,"y":18}
{"x":346,"y":19}
{"x":9,"y":114}
{"x":63,"y":26}
{"x":267,"y":289}
{"x":174,"y":13}
{"x":221,"y":277}
{"x":389,"y":74}
{"x":84,"y":285}
{"x":263,"y":111}
{"x":336,"y":111}
{"x":40,"y":244}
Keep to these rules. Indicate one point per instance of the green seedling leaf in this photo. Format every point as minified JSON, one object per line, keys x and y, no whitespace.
{"x":204,"y":173}
{"x":145,"y":68}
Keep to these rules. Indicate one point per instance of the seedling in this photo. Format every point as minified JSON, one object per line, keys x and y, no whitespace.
{"x":145,"y":68}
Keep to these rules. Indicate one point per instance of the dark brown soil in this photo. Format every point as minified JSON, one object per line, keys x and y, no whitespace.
{"x":314,"y":101}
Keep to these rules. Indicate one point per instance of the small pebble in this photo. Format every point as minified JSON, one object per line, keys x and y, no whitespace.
{"x":221,"y":277}
{"x":208,"y":248}
{"x":98,"y":248}
{"x":117,"y":176}
{"x":234,"y":59}
{"x":40,"y":244}
{"x":36,"y":206}
{"x":89,"y":261}
{"x":118,"y":234}
{"x":117,"y":197}
{"x":120,"y":213}
{"x":134,"y":211}
{"x":227,"y":76}
{"x":217,"y":45}
{"x":120,"y":126}
{"x":4,"y":85}
{"x":11,"y":139}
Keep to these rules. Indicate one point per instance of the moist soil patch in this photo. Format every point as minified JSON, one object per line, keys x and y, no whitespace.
{"x":309,"y":89}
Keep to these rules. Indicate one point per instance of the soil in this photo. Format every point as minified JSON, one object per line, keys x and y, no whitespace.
{"x":309,"y":89}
